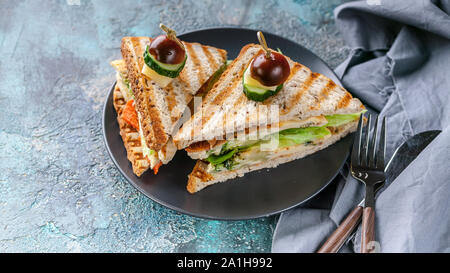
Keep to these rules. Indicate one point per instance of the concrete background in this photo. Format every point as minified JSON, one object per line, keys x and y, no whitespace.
{"x":59,"y":190}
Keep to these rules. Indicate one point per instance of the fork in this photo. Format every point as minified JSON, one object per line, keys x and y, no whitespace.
{"x":367,"y":166}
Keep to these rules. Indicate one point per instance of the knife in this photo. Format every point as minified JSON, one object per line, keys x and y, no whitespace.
{"x":400,"y":159}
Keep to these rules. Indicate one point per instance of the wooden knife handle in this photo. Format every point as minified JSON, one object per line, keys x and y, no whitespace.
{"x":368,"y":230}
{"x":337,"y":239}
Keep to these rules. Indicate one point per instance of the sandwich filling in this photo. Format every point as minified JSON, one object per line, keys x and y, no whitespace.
{"x":236,"y":154}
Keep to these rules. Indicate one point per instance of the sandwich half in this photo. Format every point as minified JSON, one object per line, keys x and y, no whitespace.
{"x":232,"y":135}
{"x":153,"y":107}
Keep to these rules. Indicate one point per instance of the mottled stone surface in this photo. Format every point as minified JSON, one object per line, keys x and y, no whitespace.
{"x":59,"y":190}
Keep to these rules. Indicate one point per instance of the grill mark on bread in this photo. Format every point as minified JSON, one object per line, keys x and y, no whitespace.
{"x":306,"y":85}
{"x":323,"y":94}
{"x":344,"y":101}
{"x":221,"y":97}
{"x":294,"y":69}
{"x":242,"y":98}
{"x":211,"y":60}
{"x":223,"y":55}
{"x":171,"y":102}
{"x":206,"y":66}
{"x":195,"y":62}
{"x":183,"y":77}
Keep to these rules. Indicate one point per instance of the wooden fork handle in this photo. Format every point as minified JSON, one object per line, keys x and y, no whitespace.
{"x":368,"y":230}
{"x":340,"y":235}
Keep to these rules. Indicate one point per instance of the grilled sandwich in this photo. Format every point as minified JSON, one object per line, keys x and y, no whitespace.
{"x":230,"y":134}
{"x":150,"y":109}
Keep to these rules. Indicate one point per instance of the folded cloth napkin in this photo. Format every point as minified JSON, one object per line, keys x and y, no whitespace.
{"x":400,"y":66}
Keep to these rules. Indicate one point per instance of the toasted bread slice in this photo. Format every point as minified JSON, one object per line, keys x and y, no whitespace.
{"x":161,"y":108}
{"x":304,"y":94}
{"x":130,"y":137}
{"x":201,"y":178}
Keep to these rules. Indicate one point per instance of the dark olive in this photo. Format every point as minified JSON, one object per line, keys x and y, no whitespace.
{"x":270,"y":71}
{"x":166,"y":50}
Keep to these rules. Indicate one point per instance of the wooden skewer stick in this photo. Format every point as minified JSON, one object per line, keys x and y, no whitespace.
{"x":263,"y":43}
{"x":171,"y":34}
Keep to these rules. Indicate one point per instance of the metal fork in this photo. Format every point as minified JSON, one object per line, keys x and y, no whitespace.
{"x":367,"y":166}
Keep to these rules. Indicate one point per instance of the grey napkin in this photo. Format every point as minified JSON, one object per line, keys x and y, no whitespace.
{"x":400,"y":66}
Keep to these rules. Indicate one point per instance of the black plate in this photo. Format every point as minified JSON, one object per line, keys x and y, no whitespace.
{"x":260,"y":193}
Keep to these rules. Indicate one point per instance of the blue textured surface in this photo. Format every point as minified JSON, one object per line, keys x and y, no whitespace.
{"x":59,"y":191}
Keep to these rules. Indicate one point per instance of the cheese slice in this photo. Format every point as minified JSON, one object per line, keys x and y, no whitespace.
{"x":163,"y":81}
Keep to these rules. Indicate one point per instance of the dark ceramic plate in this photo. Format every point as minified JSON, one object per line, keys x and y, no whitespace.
{"x":260,"y":193}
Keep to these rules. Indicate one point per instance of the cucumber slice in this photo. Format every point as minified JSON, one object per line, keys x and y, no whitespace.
{"x":167,"y":70}
{"x":258,"y":93}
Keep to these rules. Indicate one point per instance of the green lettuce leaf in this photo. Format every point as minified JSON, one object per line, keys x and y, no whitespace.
{"x":341,"y":119}
{"x":218,"y":159}
{"x":296,"y":136}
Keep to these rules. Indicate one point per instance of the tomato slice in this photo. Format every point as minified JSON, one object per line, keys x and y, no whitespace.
{"x":129,"y":115}
{"x":156,"y":168}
